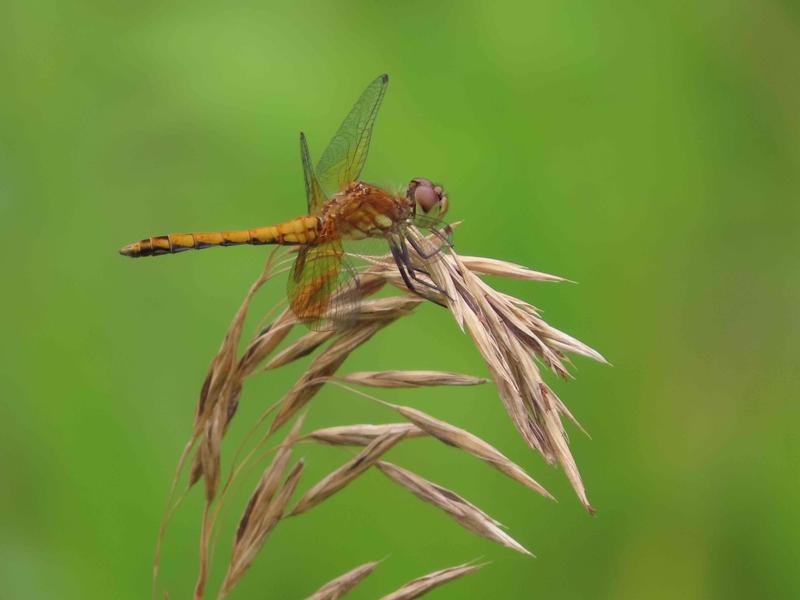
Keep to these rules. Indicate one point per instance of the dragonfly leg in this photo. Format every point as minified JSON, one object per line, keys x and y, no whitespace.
{"x":413,"y":272}
{"x":402,"y":266}
{"x":421,"y":251}
{"x":407,"y":273}
{"x":446,"y":237}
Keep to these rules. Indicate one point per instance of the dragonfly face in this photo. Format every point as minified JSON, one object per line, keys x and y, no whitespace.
{"x":430,"y":197}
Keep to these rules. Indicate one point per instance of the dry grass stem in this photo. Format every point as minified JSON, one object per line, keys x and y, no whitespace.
{"x":514,"y":341}
{"x":466,"y":514}
{"x":422,"y":585}
{"x":410,"y":379}
{"x":348,"y":471}
{"x":362,"y":435}
{"x":464,"y":440}
{"x":336,"y":588}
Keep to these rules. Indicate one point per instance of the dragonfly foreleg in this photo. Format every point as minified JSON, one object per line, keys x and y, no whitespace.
{"x":421,"y":251}
{"x":430,"y":254}
{"x":446,"y":237}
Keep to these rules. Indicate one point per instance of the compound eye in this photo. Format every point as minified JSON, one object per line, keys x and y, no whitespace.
{"x":422,"y":181}
{"x":426,"y":197}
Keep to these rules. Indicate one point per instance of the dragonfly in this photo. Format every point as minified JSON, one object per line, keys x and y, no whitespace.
{"x":322,"y":285}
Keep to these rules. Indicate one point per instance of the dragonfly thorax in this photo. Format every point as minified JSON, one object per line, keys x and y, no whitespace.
{"x":364,"y":210}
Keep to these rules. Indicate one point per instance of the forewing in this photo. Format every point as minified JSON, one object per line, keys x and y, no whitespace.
{"x":314,"y":194}
{"x":346,"y":154}
{"x":323,"y":288}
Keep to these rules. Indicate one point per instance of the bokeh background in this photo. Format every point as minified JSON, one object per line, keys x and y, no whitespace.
{"x":648,"y":151}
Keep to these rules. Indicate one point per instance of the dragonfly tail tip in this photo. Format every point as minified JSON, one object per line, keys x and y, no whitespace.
{"x":130,"y":250}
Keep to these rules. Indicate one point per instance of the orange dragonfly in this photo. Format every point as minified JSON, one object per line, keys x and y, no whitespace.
{"x":340,"y":208}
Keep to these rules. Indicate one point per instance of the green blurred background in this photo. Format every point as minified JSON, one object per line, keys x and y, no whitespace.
{"x":648,"y":151}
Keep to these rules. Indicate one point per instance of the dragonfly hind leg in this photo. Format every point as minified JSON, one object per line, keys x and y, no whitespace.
{"x":408,"y":273}
{"x":413,"y":271}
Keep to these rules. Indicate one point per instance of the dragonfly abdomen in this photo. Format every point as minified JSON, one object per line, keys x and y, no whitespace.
{"x":302,"y":230}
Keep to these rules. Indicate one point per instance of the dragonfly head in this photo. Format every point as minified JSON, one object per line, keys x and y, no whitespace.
{"x":428,"y":196}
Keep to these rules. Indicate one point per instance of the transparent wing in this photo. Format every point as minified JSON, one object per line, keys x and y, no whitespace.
{"x":344,"y":157}
{"x":314,"y":194}
{"x":436,"y":227}
{"x":323,"y":288}
{"x":367,"y":247}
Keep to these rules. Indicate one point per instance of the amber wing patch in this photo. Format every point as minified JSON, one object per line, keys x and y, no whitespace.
{"x":322,"y":287}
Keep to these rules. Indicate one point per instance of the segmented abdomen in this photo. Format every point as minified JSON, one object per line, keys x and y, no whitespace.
{"x":302,"y":230}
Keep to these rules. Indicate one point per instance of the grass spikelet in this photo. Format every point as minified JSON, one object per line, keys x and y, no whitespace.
{"x":324,"y":365}
{"x":362,"y":435}
{"x":389,"y":308}
{"x":466,"y":514}
{"x":504,"y":268}
{"x":470,"y":443}
{"x":336,"y":588}
{"x":251,"y":537}
{"x":348,"y":472}
{"x":304,"y":346}
{"x":422,"y":585}
{"x":265,"y":343}
{"x":410,"y":379}
{"x":270,"y":480}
